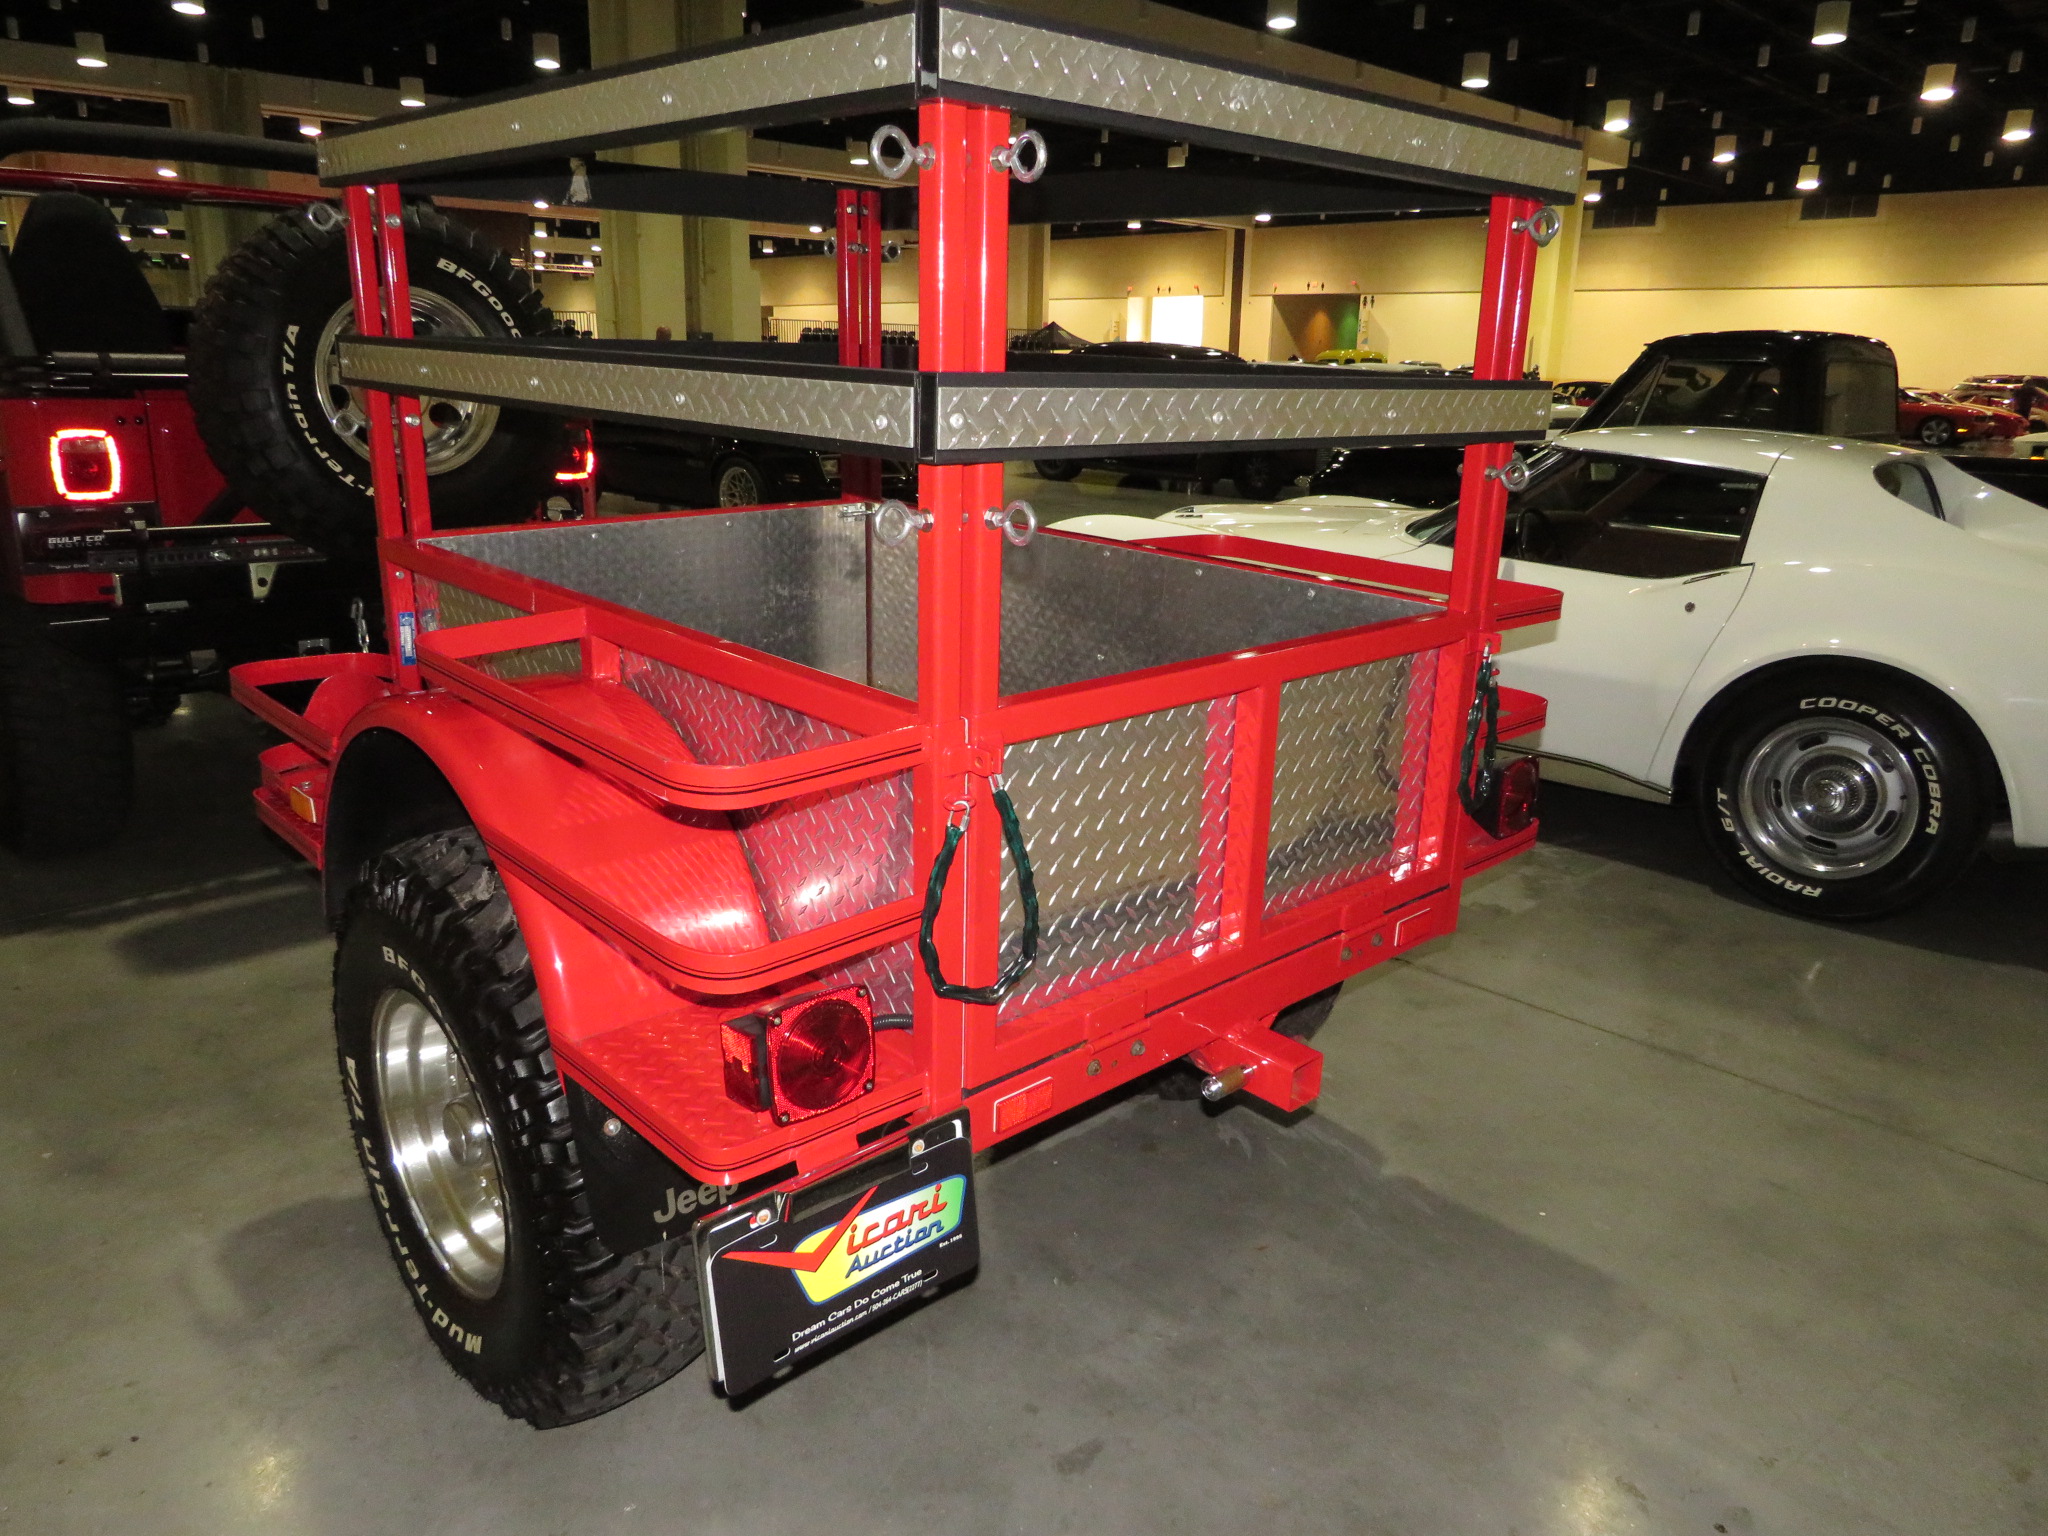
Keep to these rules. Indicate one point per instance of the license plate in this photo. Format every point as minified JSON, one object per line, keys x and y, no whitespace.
{"x":785,"y":1275}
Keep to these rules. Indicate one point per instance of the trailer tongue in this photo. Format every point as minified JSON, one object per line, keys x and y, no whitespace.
{"x":711,"y":886}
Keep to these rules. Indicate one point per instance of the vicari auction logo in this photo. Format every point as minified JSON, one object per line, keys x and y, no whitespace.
{"x":865,"y":1242}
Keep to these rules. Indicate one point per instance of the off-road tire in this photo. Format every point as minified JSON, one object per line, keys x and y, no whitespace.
{"x":572,"y":1329}
{"x":66,"y":759}
{"x":1764,"y":806}
{"x":1056,"y":469}
{"x":256,"y":400}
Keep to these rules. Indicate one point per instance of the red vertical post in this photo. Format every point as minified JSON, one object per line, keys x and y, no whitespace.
{"x":367,"y":288}
{"x":859,"y":266}
{"x":412,"y":447}
{"x":963,"y":318}
{"x":1504,"y":292}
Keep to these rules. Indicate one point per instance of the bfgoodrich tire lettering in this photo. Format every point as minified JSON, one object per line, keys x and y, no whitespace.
{"x":1843,"y":795}
{"x":293,"y":443}
{"x":538,"y":1315}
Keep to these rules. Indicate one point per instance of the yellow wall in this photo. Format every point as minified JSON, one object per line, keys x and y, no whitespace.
{"x":1956,"y":282}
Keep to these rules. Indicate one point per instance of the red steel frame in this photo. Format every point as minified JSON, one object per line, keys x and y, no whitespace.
{"x":1215,"y":1002}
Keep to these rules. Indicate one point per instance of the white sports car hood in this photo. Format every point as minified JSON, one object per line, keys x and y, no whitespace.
{"x":1319,"y":520}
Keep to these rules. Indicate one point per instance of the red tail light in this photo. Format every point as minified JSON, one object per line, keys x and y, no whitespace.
{"x":582,"y":462}
{"x":804,"y":1057}
{"x":85,"y":464}
{"x":1520,"y":784}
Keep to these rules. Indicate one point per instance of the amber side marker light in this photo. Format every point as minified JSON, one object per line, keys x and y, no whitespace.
{"x":85,"y":464}
{"x":801,"y":1057}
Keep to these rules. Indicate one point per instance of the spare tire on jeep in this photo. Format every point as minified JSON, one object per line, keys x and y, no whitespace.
{"x":293,"y":441}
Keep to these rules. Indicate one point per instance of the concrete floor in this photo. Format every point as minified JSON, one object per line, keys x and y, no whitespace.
{"x":1630,"y":1208}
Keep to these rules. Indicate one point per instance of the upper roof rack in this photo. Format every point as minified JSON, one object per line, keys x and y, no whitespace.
{"x":890,"y":56}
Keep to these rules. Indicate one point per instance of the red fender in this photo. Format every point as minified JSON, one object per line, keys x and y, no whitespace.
{"x":687,"y":871}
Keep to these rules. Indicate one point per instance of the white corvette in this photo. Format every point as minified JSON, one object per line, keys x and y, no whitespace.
{"x":1833,"y":649}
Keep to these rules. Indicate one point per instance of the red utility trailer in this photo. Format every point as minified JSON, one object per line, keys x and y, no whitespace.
{"x":711,"y":885}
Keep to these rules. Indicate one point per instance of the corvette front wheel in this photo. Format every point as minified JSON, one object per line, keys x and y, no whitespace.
{"x":1843,"y":796}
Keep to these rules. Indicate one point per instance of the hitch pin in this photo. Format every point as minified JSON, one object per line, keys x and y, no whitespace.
{"x":1222,"y":1085}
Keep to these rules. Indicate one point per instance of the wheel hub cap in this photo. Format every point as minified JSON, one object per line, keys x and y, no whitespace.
{"x":455,"y":431}
{"x":1829,"y":800}
{"x":442,"y":1152}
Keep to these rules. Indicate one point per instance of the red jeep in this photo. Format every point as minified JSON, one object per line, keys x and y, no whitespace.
{"x":131,"y":571}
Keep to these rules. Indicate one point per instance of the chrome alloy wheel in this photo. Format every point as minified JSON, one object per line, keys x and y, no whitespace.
{"x":1830,"y":800}
{"x":455,"y":430}
{"x":441,"y":1147}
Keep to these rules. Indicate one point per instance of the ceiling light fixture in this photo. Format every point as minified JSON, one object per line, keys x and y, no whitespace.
{"x":20,"y":96}
{"x":547,"y":51}
{"x":1809,"y":177}
{"x":169,"y":172}
{"x":1281,"y":15}
{"x":1830,"y":23}
{"x":1724,"y":149}
{"x":1593,"y":196}
{"x":1262,"y":218}
{"x":310,"y":127}
{"x":1939,"y":83}
{"x":1477,"y":74}
{"x":1135,"y":224}
{"x":2019,"y":125}
{"x":412,"y":91}
{"x":856,"y":151}
{"x":92,"y":50}
{"x":1616,"y":120}
{"x":816,"y":229}
{"x":188,"y":7}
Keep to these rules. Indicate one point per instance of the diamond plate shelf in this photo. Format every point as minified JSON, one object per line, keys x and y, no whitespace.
{"x":1044,"y":410}
{"x":888,"y":57}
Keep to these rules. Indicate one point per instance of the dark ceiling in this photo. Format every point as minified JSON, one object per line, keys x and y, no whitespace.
{"x":1677,"y":62}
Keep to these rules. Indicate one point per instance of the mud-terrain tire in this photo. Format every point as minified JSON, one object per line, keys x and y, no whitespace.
{"x":465,"y":1139}
{"x":1843,"y":795}
{"x":293,"y":443}
{"x":66,"y":759}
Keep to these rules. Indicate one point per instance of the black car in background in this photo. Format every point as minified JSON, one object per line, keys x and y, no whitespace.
{"x":1263,"y":475}
{"x":697,"y":469}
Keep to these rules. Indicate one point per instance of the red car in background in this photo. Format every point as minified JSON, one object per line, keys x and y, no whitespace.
{"x":1937,"y":420}
{"x":2024,"y":394}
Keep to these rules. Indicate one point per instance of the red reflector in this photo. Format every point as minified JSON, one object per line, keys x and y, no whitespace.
{"x":85,"y":464}
{"x":803,"y":1058}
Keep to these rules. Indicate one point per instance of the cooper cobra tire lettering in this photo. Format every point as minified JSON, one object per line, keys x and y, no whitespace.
{"x":1806,"y":828}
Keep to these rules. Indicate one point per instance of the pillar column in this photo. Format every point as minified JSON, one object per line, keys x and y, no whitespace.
{"x":1557,"y":279}
{"x":695,"y":276}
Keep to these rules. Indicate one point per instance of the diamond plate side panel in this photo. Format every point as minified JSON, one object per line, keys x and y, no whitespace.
{"x":824,"y":411}
{"x":442,"y":605}
{"x":1114,"y":819}
{"x":1073,"y":611}
{"x":789,"y":581}
{"x":661,"y":100}
{"x":724,"y":725}
{"x":1348,"y":768}
{"x":831,"y":855}
{"x":1028,"y":415}
{"x":889,"y":974}
{"x":1020,"y":58}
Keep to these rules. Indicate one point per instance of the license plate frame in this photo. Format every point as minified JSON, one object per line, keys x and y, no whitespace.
{"x":885,"y":1234}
